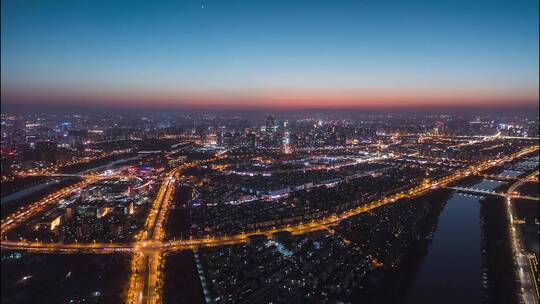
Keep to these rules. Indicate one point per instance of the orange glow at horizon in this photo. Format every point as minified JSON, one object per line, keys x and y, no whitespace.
{"x":284,"y":98}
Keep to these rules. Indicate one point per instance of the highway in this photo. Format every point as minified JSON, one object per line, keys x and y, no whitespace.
{"x":153,"y":227}
{"x":27,"y":212}
{"x":526,"y":275}
{"x":149,"y":248}
{"x":145,"y":280}
{"x":145,"y":265}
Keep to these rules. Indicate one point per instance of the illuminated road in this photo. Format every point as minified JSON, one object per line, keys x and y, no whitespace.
{"x":145,"y":279}
{"x":488,"y":192}
{"x":487,"y":137}
{"x":525,"y":269}
{"x":148,"y":245}
{"x":145,"y":264}
{"x":27,"y":212}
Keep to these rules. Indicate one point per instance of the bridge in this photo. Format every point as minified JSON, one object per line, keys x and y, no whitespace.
{"x":498,"y":135}
{"x":145,"y":282}
{"x":491,"y":192}
{"x":502,"y":178}
{"x":519,"y":167}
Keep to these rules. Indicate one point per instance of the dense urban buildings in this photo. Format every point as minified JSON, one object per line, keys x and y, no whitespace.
{"x":269,"y":152}
{"x":350,"y":210}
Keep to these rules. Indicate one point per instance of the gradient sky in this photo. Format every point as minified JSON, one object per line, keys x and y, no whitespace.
{"x":282,"y":54}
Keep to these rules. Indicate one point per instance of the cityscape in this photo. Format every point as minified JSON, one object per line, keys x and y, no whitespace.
{"x":251,"y":152}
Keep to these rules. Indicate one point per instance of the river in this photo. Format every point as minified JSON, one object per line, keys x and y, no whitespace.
{"x":22,"y":193}
{"x":452,"y":270}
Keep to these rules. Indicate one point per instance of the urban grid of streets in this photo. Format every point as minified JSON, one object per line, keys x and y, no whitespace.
{"x":145,"y":282}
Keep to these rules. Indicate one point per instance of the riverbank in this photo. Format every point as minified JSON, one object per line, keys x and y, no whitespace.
{"x":497,"y":262}
{"x":392,"y":284}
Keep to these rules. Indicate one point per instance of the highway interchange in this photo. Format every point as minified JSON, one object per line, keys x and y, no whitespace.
{"x":150,"y":247}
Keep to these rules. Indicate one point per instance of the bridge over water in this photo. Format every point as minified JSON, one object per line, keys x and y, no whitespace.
{"x":491,"y":192}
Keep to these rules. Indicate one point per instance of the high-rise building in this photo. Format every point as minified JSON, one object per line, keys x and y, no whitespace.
{"x":270,"y":123}
{"x":251,"y":140}
{"x":219,"y":136}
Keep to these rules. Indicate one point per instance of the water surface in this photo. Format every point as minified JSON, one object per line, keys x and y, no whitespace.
{"x":452,"y":270}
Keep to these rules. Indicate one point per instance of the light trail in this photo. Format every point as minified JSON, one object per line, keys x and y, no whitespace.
{"x":526,"y":276}
{"x":145,"y":245}
{"x":27,"y":212}
{"x":144,"y":285}
{"x":146,"y":278}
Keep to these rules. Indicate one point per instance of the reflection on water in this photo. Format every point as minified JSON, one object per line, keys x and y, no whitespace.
{"x":452,"y":269}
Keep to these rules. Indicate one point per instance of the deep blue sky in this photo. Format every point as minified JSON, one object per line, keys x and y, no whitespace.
{"x":304,"y":53}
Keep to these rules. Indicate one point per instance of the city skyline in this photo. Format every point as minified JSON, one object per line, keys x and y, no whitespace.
{"x":269,"y":151}
{"x":174,"y":207}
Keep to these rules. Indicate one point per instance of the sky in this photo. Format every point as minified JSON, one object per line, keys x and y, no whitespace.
{"x":270,"y":54}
